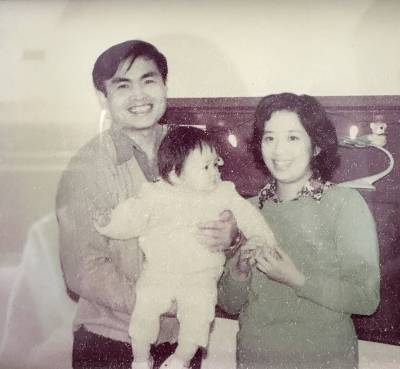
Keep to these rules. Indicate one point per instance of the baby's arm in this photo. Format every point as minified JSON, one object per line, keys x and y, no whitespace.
{"x":252,"y":224}
{"x":125,"y":221}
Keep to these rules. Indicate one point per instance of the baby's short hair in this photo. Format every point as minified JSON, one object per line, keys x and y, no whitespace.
{"x":176,"y":146}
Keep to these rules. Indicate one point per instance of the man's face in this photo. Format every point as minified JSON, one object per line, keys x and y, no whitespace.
{"x":136,"y":95}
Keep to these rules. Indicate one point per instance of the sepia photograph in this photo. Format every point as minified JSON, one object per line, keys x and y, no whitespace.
{"x":198,"y":184}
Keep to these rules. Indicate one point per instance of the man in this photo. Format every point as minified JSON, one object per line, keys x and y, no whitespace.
{"x":130,"y":79}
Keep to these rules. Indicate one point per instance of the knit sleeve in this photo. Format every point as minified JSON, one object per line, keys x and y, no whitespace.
{"x":249,"y":219}
{"x":89,"y":265}
{"x":354,"y":287}
{"x":129,"y":218}
{"x":232,"y":293}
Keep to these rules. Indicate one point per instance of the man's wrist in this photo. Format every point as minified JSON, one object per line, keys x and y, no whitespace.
{"x":237,"y":242}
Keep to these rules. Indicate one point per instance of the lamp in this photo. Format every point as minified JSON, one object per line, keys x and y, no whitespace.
{"x":376,"y":140}
{"x":232,"y":139}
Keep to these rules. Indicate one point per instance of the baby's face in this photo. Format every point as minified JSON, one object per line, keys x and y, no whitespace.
{"x":200,"y":170}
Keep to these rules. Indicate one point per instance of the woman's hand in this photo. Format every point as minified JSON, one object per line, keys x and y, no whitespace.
{"x":219,"y":234}
{"x":278,"y":266}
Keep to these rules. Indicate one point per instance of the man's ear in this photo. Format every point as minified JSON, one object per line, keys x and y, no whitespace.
{"x":316,"y":151}
{"x":102,"y":99}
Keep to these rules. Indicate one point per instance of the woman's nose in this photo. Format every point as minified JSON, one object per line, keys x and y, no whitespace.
{"x":279,"y":146}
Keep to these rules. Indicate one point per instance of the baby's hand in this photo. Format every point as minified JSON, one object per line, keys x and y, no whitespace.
{"x":269,"y":251}
{"x":262,"y":248}
{"x":101,"y":218}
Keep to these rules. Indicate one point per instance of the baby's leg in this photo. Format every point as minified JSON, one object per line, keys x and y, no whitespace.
{"x":180,"y":359}
{"x":196,"y":308}
{"x":151,"y":302}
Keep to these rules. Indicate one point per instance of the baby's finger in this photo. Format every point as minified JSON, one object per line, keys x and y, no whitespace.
{"x":263,"y":264}
{"x":249,"y":246}
{"x":272,"y":252}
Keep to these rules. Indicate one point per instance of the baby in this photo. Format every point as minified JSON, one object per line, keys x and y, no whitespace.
{"x":177,"y":266}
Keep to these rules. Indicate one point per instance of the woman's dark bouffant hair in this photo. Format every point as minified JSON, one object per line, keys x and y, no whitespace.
{"x":315,"y":121}
{"x":176,"y":146}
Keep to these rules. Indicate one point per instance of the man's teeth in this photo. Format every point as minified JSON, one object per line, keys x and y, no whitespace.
{"x":140,"y":109}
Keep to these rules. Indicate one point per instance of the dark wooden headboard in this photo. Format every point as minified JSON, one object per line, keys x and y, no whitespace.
{"x":226,"y":116}
{"x":33,"y":158}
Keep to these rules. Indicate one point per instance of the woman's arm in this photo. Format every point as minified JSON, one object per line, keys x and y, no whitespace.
{"x":355,"y":287}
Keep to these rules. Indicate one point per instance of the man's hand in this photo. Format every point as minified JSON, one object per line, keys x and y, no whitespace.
{"x":219,"y":234}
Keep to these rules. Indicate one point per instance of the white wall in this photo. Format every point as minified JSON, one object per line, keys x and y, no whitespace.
{"x":214,"y":48}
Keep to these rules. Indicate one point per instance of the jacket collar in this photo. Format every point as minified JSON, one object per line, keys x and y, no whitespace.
{"x":125,"y":147}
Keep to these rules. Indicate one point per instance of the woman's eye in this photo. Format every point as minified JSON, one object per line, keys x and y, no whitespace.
{"x":268,"y":138}
{"x":148,"y":81}
{"x":293,"y":138}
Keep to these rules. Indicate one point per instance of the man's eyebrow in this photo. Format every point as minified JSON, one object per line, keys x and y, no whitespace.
{"x":116,"y":80}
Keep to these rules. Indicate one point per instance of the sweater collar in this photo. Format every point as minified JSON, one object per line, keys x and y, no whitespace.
{"x":126,"y":147}
{"x":313,"y":188}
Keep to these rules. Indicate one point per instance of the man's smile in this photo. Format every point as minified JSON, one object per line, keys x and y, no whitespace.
{"x":140,"y":109}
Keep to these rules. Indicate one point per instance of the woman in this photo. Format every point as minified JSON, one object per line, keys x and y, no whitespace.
{"x":296,"y":303}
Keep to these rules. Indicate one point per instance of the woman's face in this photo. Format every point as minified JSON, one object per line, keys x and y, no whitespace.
{"x":287,"y":148}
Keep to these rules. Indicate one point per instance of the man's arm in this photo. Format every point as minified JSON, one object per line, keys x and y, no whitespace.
{"x":90,"y":266}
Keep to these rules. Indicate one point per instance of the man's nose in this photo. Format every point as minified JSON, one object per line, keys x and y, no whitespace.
{"x":136,"y":90}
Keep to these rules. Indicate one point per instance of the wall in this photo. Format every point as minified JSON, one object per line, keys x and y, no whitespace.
{"x":215,"y":48}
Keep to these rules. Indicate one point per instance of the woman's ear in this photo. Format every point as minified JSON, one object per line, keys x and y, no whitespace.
{"x":316,"y":150}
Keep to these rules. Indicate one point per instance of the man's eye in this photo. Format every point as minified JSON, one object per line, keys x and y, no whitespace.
{"x":149,"y":81}
{"x":122,"y":86}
